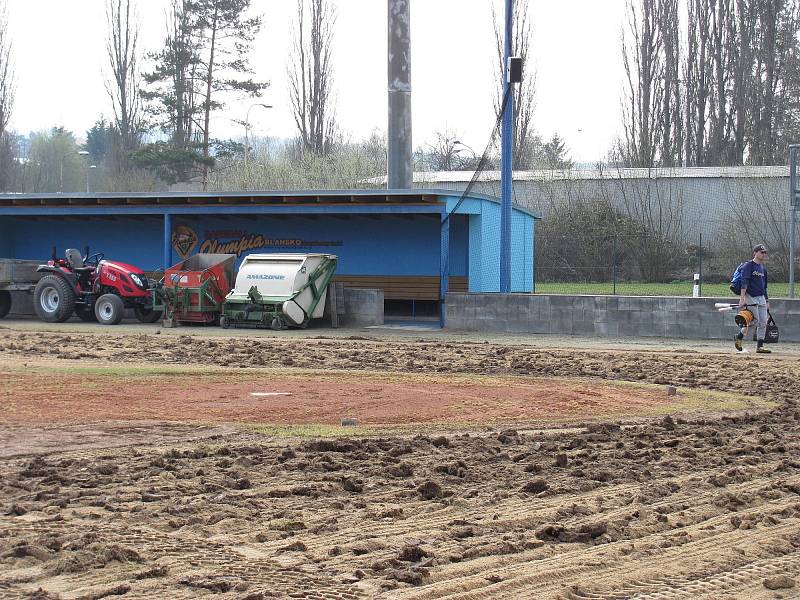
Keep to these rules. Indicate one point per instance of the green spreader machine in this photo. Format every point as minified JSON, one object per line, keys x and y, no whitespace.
{"x":279,"y":290}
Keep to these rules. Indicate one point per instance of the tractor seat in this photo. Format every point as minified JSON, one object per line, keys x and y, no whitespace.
{"x":83,"y":270}
{"x":74,"y":258}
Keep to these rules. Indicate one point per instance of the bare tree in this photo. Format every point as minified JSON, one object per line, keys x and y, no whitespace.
{"x":311,"y":75}
{"x":671,"y":150}
{"x":6,"y":72}
{"x":776,"y":43}
{"x":443,"y":153}
{"x":7,"y":157}
{"x":740,"y":36}
{"x":123,"y":82}
{"x":525,"y":147}
{"x":642,"y":57}
{"x":660,"y":217}
{"x":740,"y":66}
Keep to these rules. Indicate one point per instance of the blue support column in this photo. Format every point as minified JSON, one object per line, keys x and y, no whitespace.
{"x":167,"y":240}
{"x":444,"y":266}
{"x":506,"y":157}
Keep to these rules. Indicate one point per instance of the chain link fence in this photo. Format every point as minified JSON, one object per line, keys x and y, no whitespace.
{"x":647,"y":231}
{"x":642,"y":266}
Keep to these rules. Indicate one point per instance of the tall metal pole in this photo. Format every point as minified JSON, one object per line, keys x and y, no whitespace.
{"x":506,"y":157}
{"x":167,"y":241}
{"x":400,"y":170}
{"x":792,"y":212}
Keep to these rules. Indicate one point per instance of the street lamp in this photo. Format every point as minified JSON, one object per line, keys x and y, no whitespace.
{"x":457,"y":150}
{"x":61,"y":169}
{"x":85,"y":155}
{"x":460,"y":143}
{"x":87,"y":176}
{"x":247,"y":127}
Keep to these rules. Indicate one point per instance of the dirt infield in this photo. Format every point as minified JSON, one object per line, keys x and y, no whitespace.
{"x":186,"y":466}
{"x":310,"y":398}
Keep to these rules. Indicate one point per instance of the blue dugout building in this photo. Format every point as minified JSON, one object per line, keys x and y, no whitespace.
{"x":414,"y":244}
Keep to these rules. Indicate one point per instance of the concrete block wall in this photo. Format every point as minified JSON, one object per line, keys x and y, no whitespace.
{"x":362,"y":308}
{"x":607,"y":316}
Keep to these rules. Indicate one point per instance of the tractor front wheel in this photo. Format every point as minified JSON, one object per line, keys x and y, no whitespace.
{"x":5,"y":303}
{"x":53,"y":299}
{"x":224,"y":322}
{"x":147,"y":315}
{"x":109,"y":309}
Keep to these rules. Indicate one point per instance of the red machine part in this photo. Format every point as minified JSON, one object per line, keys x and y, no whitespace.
{"x":118,"y":275}
{"x":195,"y":288}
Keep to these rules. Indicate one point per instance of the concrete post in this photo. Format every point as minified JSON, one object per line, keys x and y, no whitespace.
{"x":399,"y":163}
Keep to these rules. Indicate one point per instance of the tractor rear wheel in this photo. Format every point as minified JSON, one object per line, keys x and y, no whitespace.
{"x":109,"y":309}
{"x":146,"y":315}
{"x":53,"y":299}
{"x":5,"y":303}
{"x":86,"y":314}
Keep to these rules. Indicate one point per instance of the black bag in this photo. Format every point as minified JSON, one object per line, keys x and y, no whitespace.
{"x":772,"y":334}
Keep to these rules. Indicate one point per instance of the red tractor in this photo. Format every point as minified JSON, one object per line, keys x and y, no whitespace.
{"x":93,"y":288}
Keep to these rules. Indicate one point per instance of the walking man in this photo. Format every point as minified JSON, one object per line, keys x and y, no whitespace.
{"x":755,"y":297}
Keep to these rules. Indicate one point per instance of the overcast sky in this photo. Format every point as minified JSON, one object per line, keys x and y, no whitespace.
{"x":59,"y":54}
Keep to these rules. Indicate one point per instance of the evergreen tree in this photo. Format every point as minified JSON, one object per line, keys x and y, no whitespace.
{"x":555,"y":154}
{"x":204,"y":58}
{"x":226,"y":36}
{"x":99,"y":140}
{"x":172,"y":93}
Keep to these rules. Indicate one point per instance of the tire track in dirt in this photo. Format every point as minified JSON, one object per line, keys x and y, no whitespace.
{"x":587,"y":569}
{"x":670,"y":588}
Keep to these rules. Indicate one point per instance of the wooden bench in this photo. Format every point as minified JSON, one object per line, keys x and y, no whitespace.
{"x":403,"y":287}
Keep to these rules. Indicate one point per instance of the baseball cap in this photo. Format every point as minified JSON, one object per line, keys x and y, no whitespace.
{"x":759,"y":248}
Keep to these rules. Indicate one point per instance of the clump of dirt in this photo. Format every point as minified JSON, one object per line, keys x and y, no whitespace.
{"x":404,"y":469}
{"x":156,"y":571}
{"x":430,"y":490}
{"x":212,"y":583}
{"x":779,"y":582}
{"x":350,"y":484}
{"x":456,"y":469}
{"x":94,"y":556}
{"x":412,"y":553}
{"x":536,"y":486}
